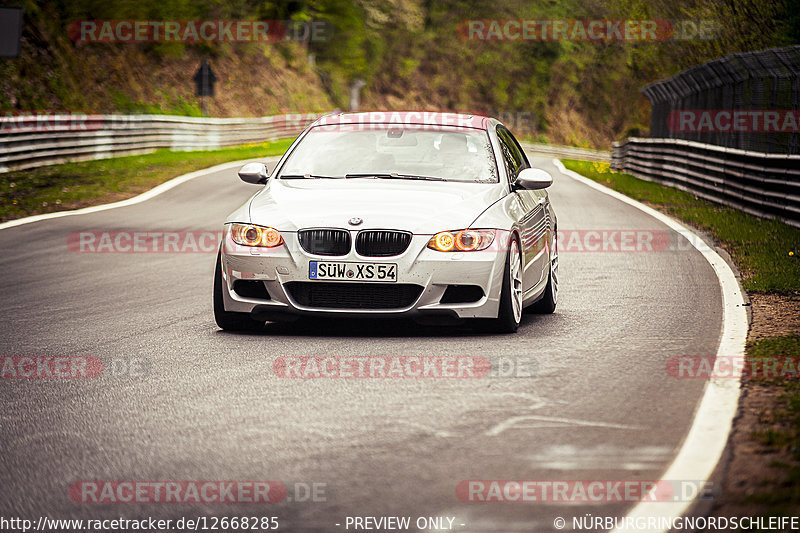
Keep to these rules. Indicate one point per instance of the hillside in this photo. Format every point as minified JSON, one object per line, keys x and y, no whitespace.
{"x":411,"y":54}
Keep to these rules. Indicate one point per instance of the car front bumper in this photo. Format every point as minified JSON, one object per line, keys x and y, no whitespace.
{"x":284,"y":273}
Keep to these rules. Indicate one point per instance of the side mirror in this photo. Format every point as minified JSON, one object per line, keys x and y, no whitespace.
{"x":532,"y":179}
{"x":254,"y":173}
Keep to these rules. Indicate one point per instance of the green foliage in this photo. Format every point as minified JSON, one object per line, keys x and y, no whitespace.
{"x":411,"y":54}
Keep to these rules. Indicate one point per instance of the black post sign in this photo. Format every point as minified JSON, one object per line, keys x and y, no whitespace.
{"x":10,"y":31}
{"x":204,"y":81}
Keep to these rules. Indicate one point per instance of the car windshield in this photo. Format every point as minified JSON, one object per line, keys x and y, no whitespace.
{"x":393,"y":152}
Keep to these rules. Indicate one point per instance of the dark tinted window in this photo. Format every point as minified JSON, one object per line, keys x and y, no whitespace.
{"x":517,"y":149}
{"x":507,"y":147}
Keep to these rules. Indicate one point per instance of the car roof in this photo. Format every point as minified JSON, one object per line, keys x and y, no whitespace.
{"x":427,"y":118}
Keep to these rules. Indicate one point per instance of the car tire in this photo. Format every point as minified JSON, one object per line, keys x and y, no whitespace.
{"x":547,"y":303}
{"x":509,"y":314}
{"x":228,"y":320}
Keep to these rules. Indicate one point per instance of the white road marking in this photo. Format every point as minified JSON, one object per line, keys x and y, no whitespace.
{"x":538,"y":402}
{"x":598,"y":457}
{"x":554,"y":422}
{"x":436,"y":432}
{"x":708,"y":436}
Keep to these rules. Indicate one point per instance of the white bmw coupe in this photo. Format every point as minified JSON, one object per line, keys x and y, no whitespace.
{"x":434,"y":216}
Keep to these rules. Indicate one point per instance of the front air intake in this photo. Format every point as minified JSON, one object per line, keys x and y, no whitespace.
{"x":353,"y":296}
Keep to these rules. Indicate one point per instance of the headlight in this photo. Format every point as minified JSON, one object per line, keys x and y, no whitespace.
{"x":464,"y":240}
{"x":250,"y":235}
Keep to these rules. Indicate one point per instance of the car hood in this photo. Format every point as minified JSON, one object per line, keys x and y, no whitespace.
{"x":421,"y":207}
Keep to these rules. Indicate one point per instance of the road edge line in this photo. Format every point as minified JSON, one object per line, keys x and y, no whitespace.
{"x":143,"y":197}
{"x":708,"y":436}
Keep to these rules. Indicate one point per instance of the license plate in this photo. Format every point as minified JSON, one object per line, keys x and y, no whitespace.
{"x":340,"y":271}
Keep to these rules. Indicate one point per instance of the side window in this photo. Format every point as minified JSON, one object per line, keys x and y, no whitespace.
{"x":520,"y":153}
{"x":512,"y":164}
{"x":515,"y":157}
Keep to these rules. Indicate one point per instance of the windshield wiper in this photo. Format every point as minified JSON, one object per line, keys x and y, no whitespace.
{"x":308,"y":176}
{"x":393,"y":176}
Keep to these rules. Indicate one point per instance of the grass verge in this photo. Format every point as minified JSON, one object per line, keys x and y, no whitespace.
{"x":767,"y":252}
{"x":74,"y":185}
{"x":781,"y":429}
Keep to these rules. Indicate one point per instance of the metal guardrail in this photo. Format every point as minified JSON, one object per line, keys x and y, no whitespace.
{"x":765,"y":185}
{"x":566,"y":152}
{"x":30,"y":141}
{"x":38,"y":140}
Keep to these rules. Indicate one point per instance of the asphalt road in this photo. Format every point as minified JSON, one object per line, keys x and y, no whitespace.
{"x":208,"y":406}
